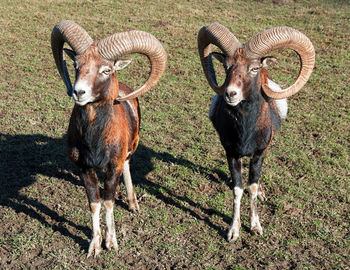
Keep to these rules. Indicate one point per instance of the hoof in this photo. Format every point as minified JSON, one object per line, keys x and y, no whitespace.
{"x":134,"y":206}
{"x":95,"y":247}
{"x":232,"y":237}
{"x":256,"y":229}
{"x":233,"y":232}
{"x":111,"y":244}
{"x":111,"y":240}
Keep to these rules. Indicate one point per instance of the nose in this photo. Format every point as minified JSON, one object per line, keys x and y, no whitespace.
{"x":79,"y":93}
{"x":230,"y":94}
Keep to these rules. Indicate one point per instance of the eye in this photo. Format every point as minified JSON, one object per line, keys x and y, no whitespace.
{"x":254,"y":69}
{"x":106,"y":71}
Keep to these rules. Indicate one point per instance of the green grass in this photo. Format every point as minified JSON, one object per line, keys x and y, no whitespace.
{"x":180,"y":165}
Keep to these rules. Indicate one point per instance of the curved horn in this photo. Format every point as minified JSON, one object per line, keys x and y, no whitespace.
{"x":135,"y":41}
{"x":77,"y":38}
{"x":220,"y":36}
{"x":284,"y":37}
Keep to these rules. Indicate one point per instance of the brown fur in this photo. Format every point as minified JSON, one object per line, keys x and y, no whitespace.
{"x":102,"y":135}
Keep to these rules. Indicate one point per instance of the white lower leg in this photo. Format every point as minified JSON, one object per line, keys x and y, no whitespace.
{"x":111,"y":240}
{"x":132,"y":200}
{"x":233,"y":232}
{"x":95,"y":243}
{"x":254,"y":218}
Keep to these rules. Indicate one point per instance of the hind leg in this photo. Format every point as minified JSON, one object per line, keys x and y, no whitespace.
{"x":132,"y":200}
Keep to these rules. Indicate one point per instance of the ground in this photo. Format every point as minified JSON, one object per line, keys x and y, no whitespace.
{"x":179,"y":169}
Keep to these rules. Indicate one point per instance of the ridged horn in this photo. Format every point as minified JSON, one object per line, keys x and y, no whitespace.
{"x":221,"y":37}
{"x":77,"y":38}
{"x":135,"y":41}
{"x":284,"y":37}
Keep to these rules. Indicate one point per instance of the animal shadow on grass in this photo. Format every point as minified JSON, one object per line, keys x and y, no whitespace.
{"x":141,"y":165}
{"x":24,"y":157}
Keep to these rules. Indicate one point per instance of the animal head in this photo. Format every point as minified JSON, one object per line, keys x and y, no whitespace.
{"x":245,"y":64}
{"x":93,"y":75}
{"x":241,"y":74}
{"x":95,"y":63}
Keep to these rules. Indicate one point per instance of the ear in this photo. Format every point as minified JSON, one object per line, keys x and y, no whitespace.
{"x":121,"y":63}
{"x":268,"y":61}
{"x":70,"y":53}
{"x":219,"y":56}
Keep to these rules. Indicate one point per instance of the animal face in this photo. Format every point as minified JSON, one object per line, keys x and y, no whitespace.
{"x":93,"y":75}
{"x":241,"y":75}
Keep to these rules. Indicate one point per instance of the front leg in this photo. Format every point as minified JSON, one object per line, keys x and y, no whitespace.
{"x":236,"y":175}
{"x":90,"y":180}
{"x":111,"y":240}
{"x":110,"y":185}
{"x":254,"y":189}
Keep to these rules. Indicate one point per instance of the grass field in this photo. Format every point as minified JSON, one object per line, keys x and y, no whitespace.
{"x":179,"y":169}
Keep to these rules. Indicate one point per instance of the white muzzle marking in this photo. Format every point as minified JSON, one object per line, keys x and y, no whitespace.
{"x":233,"y":95}
{"x":82,"y":93}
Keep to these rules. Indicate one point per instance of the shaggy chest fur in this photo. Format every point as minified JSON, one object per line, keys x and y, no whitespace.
{"x":245,"y":128}
{"x":240,"y":136}
{"x":98,"y":135}
{"x":90,"y":139}
{"x":242,"y":130}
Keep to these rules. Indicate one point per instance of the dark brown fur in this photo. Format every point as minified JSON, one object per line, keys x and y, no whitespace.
{"x":102,"y":134}
{"x":246,"y":125}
